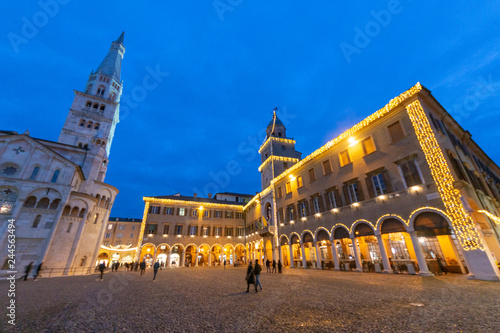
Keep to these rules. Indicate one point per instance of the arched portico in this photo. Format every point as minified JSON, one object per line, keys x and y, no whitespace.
{"x":239,"y":254}
{"x":308,"y":250}
{"x":348,"y":254}
{"x":324,"y":249}
{"x":203,"y":254}
{"x":285,"y":251}
{"x":190,"y":255}
{"x":228,"y":254}
{"x":368,"y":245}
{"x":438,"y":242}
{"x":215,"y":255}
{"x":296,"y":251}
{"x":176,"y":256}
{"x":147,"y":254}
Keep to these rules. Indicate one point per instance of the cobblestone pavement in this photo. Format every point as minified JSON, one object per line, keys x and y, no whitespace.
{"x":214,"y":300}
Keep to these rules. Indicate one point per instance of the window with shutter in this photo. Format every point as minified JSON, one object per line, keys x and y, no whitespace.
{"x":368,"y":146}
{"x":312,"y":176}
{"x":327,"y":167}
{"x":396,"y":132}
{"x":344,"y":158}
{"x":410,"y":172}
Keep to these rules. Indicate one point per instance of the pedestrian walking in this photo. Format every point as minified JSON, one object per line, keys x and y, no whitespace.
{"x":280,"y":266}
{"x":143,"y":267}
{"x":224,"y":263}
{"x":268,"y":266}
{"x":250,"y":277}
{"x":112,"y":267}
{"x":27,"y":270}
{"x":155,"y":270}
{"x":37,"y":271}
{"x":274,"y":266}
{"x":102,"y":266}
{"x":117,"y":265}
{"x":257,"y":270}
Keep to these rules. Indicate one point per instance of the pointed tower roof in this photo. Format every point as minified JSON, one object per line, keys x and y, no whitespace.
{"x":275,"y":121}
{"x":112,"y":63}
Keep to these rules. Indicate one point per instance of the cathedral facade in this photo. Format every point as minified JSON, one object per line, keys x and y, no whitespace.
{"x":54,"y":192}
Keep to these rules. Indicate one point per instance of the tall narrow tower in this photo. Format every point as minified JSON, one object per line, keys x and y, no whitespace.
{"x":94,"y":113}
{"x":277,"y":152}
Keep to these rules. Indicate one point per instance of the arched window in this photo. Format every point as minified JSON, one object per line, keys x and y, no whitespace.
{"x":30,"y":202}
{"x":67,"y":210}
{"x":86,"y":146}
{"x":82,"y":213}
{"x":90,"y":124}
{"x":36,"y":222}
{"x":43,"y":203}
{"x":88,"y":104}
{"x":69,"y":227}
{"x":55,"y":176}
{"x":82,"y":122}
{"x":103,"y":202}
{"x":34,"y":173}
{"x":102,"y":107}
{"x":95,"y":106}
{"x":74,"y":211}
{"x":96,"y":217}
{"x":89,"y":89}
{"x":100,"y":91}
{"x":54,"y":204}
{"x":107,"y":203}
{"x":80,"y":145}
{"x":97,"y":125}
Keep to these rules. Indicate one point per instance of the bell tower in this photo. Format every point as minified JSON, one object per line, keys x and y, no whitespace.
{"x":94,"y":114}
{"x":277,"y":152}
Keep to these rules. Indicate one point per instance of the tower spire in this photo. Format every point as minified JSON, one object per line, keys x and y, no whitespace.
{"x":112,"y":64}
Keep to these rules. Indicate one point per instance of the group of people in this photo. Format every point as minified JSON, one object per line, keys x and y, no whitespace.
{"x":273,"y":264}
{"x":133,"y":266}
{"x":28,"y":268}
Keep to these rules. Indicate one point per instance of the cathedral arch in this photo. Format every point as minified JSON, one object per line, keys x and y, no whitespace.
{"x":30,"y":202}
{"x":82,"y":122}
{"x":43,"y":203}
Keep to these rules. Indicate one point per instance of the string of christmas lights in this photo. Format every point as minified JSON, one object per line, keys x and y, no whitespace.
{"x":463,"y":224}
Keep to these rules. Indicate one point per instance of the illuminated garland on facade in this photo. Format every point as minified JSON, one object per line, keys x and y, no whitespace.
{"x":274,"y":138}
{"x":196,"y":203}
{"x":462,"y":223}
{"x":143,"y":227}
{"x":277,"y":158}
{"x":494,"y":218}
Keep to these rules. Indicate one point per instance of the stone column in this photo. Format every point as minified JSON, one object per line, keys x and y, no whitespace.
{"x":304,"y":264}
{"x":359,"y":266}
{"x":209,"y":258}
{"x":290,"y":248}
{"x":183,"y":257}
{"x":335,"y":256}
{"x":383,"y":253}
{"x":280,"y":254}
{"x":168,"y":257}
{"x":318,"y":255}
{"x":422,"y":263}
{"x":196,"y":259}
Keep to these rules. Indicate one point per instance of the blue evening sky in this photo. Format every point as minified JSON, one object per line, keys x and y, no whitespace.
{"x":325,"y":65}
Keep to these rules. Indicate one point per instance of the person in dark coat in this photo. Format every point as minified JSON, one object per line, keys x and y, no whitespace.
{"x":268,"y":266}
{"x":143,"y":267}
{"x":274,"y":266}
{"x":257,"y":271}
{"x":102,"y":266}
{"x":37,"y":271}
{"x":224,"y":263}
{"x":27,"y":270}
{"x":136,"y":266}
{"x":279,"y":266}
{"x":250,"y":277}
{"x":155,"y":269}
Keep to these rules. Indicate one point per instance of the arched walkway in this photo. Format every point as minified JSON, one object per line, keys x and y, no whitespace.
{"x":190,"y":256}
{"x":308,"y":250}
{"x":285,"y":251}
{"x":324,"y":249}
{"x":203,"y":255}
{"x":176,"y":256}
{"x":296,"y":251}
{"x":440,"y":247}
{"x":344,"y":248}
{"x":215,"y":255}
{"x":369,"y":249}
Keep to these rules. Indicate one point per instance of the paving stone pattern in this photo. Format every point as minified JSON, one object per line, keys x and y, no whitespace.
{"x":214,"y":300}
